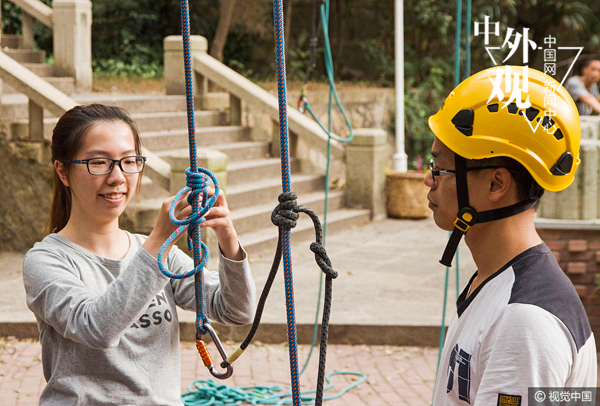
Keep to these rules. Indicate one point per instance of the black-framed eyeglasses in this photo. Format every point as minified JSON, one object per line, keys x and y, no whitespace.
{"x":103,"y":166}
{"x":439,"y":172}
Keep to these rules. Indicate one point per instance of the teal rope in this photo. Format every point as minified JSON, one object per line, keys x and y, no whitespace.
{"x":324,"y":15}
{"x":206,"y":392}
{"x":456,"y":82}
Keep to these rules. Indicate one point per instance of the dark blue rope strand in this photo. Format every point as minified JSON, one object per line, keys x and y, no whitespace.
{"x":286,"y":185}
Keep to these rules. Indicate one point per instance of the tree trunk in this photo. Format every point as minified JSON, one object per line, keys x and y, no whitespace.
{"x":218,"y":43}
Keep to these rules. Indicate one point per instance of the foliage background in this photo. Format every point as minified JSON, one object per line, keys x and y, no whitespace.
{"x":127,"y":40}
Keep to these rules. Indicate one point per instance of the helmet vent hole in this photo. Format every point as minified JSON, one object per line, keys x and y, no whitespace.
{"x":512,"y":108}
{"x":493,"y":108}
{"x":558,"y":135}
{"x":531,"y":113}
{"x":547,"y":122}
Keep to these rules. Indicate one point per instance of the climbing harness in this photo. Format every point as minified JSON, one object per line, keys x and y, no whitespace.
{"x":197,"y":180}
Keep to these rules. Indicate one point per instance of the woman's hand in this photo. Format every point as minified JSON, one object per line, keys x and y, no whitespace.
{"x":219,"y":219}
{"x":164,"y":227}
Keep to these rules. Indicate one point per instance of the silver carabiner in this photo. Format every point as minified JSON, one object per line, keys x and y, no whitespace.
{"x":229,"y":370}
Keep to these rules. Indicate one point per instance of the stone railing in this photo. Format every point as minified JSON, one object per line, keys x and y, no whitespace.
{"x":581,"y":200}
{"x":308,"y":142}
{"x":41,"y":94}
{"x":360,"y":165}
{"x":71,"y":23}
{"x":30,"y":10}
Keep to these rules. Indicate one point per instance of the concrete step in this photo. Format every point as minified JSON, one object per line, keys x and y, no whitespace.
{"x":26,"y":55}
{"x":136,"y":103}
{"x":41,"y":69}
{"x":64,"y":84}
{"x":144,"y":121}
{"x":250,"y":219}
{"x":205,"y":136}
{"x":236,"y":151}
{"x":151,"y":190}
{"x":264,"y":241}
{"x":15,"y":105}
{"x":257,"y":169}
{"x":19,"y":128}
{"x":261,"y":194}
{"x":174,"y":120}
{"x":10,"y":41}
{"x":266,"y":190}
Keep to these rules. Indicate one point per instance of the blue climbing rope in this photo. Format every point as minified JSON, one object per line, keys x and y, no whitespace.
{"x":287,"y":188}
{"x":197,"y":180}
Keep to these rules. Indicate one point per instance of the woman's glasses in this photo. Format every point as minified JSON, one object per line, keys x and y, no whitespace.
{"x":104,"y":166}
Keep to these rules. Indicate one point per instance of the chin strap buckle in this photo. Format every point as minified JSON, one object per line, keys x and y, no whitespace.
{"x":465,"y":218}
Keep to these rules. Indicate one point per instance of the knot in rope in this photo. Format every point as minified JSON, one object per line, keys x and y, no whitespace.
{"x":197,"y":183}
{"x":323,"y":260}
{"x":284,"y":214}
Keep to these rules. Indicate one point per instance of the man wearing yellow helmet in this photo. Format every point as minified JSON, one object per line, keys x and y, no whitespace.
{"x":519,"y":321}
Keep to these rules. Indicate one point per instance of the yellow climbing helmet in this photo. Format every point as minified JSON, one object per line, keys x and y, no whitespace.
{"x":537,"y":125}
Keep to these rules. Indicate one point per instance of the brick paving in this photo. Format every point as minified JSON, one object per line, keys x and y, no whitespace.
{"x":399,"y":376}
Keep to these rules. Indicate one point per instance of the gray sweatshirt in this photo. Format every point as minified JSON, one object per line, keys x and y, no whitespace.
{"x":109,"y":328}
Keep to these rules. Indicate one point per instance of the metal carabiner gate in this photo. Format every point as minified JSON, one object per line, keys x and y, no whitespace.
{"x":207,"y":359}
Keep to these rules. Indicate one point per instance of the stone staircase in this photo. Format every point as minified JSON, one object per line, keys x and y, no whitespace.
{"x":253,"y":175}
{"x":35,"y":61}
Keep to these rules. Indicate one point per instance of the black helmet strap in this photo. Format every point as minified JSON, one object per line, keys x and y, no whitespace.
{"x":467,"y":216}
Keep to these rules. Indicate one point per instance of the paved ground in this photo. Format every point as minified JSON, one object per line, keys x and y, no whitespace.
{"x":389,"y":278}
{"x":390,"y":285}
{"x":399,"y":376}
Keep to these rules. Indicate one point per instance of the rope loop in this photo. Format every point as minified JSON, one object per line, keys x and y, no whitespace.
{"x":284,"y":215}
{"x":323,"y":260}
{"x":197,"y":183}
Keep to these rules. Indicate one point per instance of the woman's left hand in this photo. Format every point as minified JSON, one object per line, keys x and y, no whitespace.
{"x":218,"y":218}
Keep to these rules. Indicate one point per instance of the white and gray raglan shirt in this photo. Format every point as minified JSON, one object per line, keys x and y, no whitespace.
{"x":524,"y":326}
{"x":109,"y":329}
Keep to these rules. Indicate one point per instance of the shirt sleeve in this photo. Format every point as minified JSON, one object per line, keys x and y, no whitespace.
{"x":576,"y":88}
{"x":57,"y":295}
{"x":527,"y":347}
{"x":230,"y":293}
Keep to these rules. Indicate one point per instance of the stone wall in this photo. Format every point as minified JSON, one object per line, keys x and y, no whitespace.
{"x":577,"y":250}
{"x":581,"y":200}
{"x":366,"y":107}
{"x":25,"y":187}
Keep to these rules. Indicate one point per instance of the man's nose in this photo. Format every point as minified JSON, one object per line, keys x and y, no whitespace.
{"x":429,"y":182}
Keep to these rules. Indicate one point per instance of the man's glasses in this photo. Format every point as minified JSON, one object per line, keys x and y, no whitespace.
{"x":439,"y":172}
{"x":104,"y":166}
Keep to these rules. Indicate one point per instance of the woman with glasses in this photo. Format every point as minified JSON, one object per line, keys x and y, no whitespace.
{"x":106,"y":314}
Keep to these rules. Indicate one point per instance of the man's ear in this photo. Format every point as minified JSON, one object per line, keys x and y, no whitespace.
{"x":60,"y":169}
{"x":501,"y":184}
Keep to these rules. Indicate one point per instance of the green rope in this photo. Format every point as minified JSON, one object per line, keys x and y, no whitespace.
{"x":456,"y":82}
{"x":324,"y":15}
{"x":207,"y":392}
